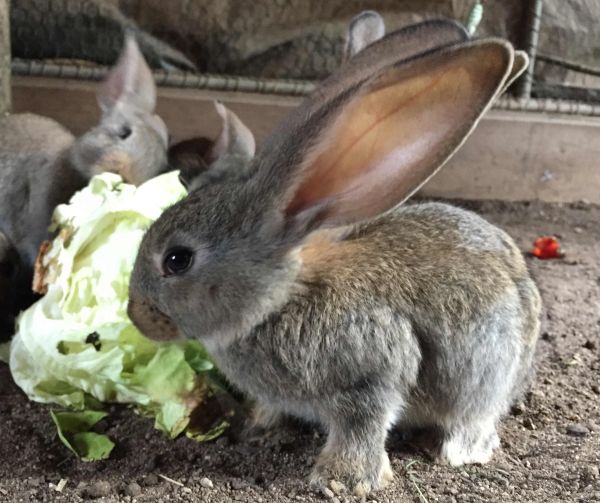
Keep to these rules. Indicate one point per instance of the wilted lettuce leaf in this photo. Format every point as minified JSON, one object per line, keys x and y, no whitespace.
{"x":205,"y":436}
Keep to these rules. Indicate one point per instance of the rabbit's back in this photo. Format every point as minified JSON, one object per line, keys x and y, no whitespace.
{"x":33,"y":133}
{"x":30,"y":154}
{"x":443,"y":268}
{"x":432,"y":256}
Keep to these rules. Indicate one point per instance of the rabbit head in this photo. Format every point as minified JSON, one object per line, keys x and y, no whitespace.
{"x":130,"y":140}
{"x":226,"y":257}
{"x":190,"y":157}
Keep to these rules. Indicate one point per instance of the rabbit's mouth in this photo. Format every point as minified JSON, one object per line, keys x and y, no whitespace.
{"x":120,"y":163}
{"x":151,"y":321}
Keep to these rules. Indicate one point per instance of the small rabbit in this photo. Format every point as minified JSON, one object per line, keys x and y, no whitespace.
{"x":42,"y":164}
{"x":320,"y":297}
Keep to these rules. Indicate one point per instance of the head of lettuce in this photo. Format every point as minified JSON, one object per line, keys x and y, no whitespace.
{"x":76,"y":345}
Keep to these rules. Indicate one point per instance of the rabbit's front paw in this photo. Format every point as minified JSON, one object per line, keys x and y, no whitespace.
{"x":362,"y":473}
{"x":262,"y":422}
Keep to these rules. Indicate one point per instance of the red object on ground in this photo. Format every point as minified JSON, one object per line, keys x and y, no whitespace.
{"x":546,"y":247}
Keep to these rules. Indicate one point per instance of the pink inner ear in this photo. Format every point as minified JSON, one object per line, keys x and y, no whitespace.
{"x":111,"y":89}
{"x":130,"y":81}
{"x":365,"y":142}
{"x":391,"y":137}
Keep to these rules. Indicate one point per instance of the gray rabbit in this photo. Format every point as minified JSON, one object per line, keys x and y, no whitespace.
{"x":42,"y":164}
{"x":320,"y":296}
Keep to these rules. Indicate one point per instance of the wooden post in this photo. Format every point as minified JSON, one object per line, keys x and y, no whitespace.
{"x":533,"y":17}
{"x":5,"y":96}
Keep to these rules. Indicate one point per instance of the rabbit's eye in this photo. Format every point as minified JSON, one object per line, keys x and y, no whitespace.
{"x":177,"y":261}
{"x":124,"y":132}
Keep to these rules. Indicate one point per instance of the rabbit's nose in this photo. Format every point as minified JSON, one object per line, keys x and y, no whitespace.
{"x":151,"y":321}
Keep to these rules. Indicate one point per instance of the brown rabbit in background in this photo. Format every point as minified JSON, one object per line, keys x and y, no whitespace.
{"x":43,"y":165}
{"x":320,"y":297}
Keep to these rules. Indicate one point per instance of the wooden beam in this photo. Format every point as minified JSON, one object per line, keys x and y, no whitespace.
{"x":5,"y":87}
{"x":187,"y":112}
{"x":525,"y":156}
{"x":510,"y":156}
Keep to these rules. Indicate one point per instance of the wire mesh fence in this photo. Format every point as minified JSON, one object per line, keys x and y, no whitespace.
{"x":283,"y":46}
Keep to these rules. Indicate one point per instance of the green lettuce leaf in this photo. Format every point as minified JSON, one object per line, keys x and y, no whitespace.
{"x":74,"y":432}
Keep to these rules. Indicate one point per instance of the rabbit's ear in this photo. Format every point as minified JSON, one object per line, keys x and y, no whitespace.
{"x":364,"y":29}
{"x":130,"y":81}
{"x":520,"y":63}
{"x":235,"y":138}
{"x":234,"y":146}
{"x":370,"y":150}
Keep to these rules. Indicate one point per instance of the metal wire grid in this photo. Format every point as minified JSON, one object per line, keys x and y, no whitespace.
{"x":522,"y":99}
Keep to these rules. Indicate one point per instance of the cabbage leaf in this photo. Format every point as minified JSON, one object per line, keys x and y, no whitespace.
{"x":76,"y":345}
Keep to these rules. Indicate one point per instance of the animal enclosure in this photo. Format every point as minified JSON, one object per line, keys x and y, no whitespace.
{"x":530,"y":168}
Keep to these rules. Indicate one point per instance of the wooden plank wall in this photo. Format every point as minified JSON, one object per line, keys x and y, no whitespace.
{"x":510,"y":156}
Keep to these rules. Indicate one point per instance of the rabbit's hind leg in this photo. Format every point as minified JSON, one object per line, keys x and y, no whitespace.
{"x":482,"y":383}
{"x":470,"y":443}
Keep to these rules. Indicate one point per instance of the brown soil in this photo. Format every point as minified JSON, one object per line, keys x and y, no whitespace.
{"x":550,"y":444}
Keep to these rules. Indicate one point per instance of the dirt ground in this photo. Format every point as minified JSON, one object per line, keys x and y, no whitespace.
{"x":550,"y":444}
